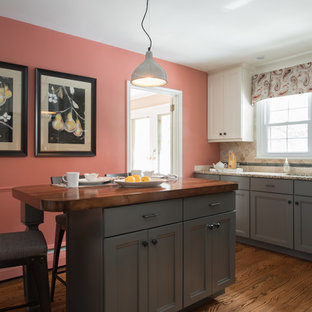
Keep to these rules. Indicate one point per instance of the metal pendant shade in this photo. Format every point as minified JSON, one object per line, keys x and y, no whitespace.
{"x":149,"y":73}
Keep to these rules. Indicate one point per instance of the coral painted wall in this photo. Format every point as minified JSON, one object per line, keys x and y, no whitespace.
{"x":34,"y":46}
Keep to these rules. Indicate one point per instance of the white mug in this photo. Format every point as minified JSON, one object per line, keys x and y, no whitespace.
{"x":71,"y":179}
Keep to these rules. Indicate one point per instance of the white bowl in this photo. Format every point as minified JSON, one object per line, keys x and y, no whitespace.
{"x":91,"y":176}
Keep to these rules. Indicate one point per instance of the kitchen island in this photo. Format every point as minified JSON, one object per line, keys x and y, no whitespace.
{"x":140,"y":249}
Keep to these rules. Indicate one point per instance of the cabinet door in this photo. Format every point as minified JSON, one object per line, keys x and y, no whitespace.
{"x":197,"y":260}
{"x":215,"y":106}
{"x":125,"y":278}
{"x":165,"y":268}
{"x":272,"y":218}
{"x":223,"y":250}
{"x":232,"y":104}
{"x":303,"y":221}
{"x":242,"y":213}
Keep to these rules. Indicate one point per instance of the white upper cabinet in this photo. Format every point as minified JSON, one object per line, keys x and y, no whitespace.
{"x":230,"y":114}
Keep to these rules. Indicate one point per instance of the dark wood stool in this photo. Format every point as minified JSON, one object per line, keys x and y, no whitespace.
{"x":28,"y":249}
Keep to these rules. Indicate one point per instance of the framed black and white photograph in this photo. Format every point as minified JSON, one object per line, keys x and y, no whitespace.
{"x":13,"y":109}
{"x":65,"y":114}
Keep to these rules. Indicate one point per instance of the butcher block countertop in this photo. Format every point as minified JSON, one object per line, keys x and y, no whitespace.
{"x":54,"y":198}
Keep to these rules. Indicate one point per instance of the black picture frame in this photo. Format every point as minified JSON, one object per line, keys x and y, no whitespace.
{"x":65,"y":114}
{"x":13,"y":109}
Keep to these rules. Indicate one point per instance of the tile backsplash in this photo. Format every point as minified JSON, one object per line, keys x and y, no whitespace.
{"x":245,"y":153}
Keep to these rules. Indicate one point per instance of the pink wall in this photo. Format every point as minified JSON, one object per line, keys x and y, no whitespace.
{"x":34,"y":46}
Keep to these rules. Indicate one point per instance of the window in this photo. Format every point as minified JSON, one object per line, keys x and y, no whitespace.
{"x":284,"y":127}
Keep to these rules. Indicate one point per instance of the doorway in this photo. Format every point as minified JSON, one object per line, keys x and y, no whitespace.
{"x":154,"y":130}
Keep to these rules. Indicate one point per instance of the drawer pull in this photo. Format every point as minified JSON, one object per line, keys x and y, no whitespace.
{"x":214,"y":204}
{"x":154,"y":241}
{"x":269,"y":185}
{"x":151,"y":215}
{"x":209,"y":226}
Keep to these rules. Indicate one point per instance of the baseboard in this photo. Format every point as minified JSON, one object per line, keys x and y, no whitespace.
{"x":289,"y":252}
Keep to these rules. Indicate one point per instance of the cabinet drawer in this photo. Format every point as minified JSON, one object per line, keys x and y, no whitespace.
{"x":132,"y":218}
{"x":243,"y":182}
{"x":201,"y":206}
{"x":303,"y":188}
{"x":207,"y":176}
{"x":272,"y":185}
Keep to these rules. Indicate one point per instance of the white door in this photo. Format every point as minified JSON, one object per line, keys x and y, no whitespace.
{"x":154,"y":130}
{"x":152,"y":138}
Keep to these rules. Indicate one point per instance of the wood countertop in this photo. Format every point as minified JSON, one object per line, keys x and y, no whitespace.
{"x":54,"y":198}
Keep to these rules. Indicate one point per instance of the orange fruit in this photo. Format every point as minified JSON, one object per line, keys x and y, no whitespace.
{"x":137,"y":178}
{"x":145,"y":179}
{"x":130,"y":179}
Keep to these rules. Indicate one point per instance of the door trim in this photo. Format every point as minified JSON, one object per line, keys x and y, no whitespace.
{"x":177,"y":167}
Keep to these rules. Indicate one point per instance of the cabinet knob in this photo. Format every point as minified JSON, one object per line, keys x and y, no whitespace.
{"x":154,"y":241}
{"x":217,"y":225}
{"x":224,"y":133}
{"x":296,"y":203}
{"x":210,"y":226}
{"x":145,"y":243}
{"x":220,"y":133}
{"x":289,"y":202}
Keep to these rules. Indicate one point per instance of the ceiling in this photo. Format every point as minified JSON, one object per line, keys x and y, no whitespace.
{"x":203,"y":34}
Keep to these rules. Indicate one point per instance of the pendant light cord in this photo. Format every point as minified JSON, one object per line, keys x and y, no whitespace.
{"x":142,"y":25}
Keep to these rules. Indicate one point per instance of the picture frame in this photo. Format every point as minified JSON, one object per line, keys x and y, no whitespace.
{"x":13,"y":109}
{"x":65,"y":114}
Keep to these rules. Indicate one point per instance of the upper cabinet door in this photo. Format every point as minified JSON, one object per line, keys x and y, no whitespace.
{"x":230,"y":115}
{"x":215,"y":110}
{"x":232,"y":105}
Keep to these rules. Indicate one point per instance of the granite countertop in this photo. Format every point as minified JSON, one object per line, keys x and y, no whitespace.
{"x":270,"y":175}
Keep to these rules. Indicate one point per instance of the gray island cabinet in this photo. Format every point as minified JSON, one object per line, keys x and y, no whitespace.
{"x":164,"y":249}
{"x":209,"y":246}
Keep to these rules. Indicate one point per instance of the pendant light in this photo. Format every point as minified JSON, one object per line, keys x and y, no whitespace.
{"x":149,"y":73}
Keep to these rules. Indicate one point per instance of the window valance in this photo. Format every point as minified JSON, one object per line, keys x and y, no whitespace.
{"x":287,"y":81}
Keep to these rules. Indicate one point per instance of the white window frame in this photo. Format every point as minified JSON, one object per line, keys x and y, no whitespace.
{"x":262,"y":140}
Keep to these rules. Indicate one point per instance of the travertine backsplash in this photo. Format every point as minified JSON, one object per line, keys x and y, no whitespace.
{"x":245,"y":153}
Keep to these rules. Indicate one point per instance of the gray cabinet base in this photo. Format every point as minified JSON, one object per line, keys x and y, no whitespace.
{"x":286,"y":251}
{"x":202,"y":302}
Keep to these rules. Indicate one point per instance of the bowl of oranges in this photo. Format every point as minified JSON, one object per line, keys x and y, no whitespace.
{"x":138,"y":181}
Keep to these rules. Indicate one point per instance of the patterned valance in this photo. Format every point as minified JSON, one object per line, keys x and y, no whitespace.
{"x":287,"y":81}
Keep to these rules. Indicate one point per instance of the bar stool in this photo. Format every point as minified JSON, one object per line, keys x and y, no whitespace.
{"x":29,"y":249}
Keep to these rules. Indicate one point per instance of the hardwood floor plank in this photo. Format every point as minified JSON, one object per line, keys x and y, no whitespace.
{"x":265,"y":282}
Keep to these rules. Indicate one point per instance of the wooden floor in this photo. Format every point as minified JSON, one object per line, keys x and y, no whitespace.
{"x":265,"y":282}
